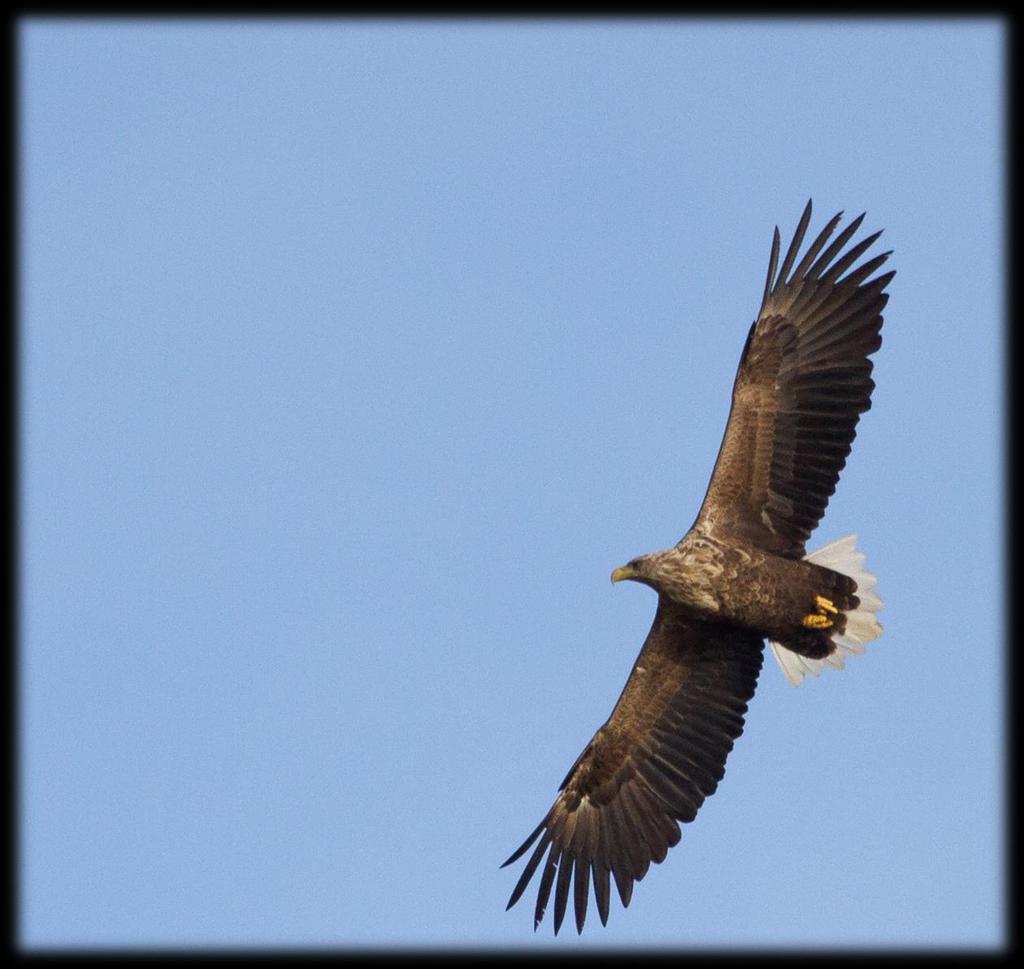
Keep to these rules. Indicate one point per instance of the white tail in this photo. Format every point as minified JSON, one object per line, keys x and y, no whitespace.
{"x":861,"y":625}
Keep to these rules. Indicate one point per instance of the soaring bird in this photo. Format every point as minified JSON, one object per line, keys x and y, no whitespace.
{"x":738,"y":577}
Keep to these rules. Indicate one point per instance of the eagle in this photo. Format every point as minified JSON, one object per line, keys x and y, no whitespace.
{"x":738,"y":577}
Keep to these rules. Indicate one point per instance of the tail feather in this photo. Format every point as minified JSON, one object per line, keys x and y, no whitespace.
{"x":861,"y":623}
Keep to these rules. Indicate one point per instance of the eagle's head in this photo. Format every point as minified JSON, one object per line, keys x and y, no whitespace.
{"x":644,"y":568}
{"x":684,"y":573}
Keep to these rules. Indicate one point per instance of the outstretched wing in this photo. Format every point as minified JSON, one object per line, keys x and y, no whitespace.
{"x":804,"y":380}
{"x":652,"y":764}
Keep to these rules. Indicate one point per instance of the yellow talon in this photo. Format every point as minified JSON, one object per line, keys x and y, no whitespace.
{"x":826,"y":604}
{"x":817,"y":621}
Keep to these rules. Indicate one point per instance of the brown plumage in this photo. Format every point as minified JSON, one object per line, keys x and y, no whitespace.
{"x":738,"y":576}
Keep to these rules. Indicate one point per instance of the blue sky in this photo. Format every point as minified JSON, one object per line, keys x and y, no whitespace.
{"x":355,"y":355}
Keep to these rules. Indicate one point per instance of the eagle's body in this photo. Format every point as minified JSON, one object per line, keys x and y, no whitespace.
{"x":737,"y":582}
{"x":740,"y":575}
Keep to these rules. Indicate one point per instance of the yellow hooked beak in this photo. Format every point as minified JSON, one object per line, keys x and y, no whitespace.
{"x":623,"y":572}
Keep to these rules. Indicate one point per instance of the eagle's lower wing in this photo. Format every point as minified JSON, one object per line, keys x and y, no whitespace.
{"x":803,"y":381}
{"x":652,"y":764}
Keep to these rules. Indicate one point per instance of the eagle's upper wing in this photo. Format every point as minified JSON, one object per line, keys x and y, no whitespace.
{"x":652,"y":764}
{"x":804,"y":380}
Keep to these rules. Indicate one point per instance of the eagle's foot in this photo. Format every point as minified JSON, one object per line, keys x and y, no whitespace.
{"x":825,"y":605}
{"x":820,"y":619}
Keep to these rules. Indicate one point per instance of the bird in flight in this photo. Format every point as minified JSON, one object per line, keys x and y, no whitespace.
{"x":739,"y":576}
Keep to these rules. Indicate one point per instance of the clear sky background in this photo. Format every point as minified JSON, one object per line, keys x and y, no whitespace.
{"x":355,"y":355}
